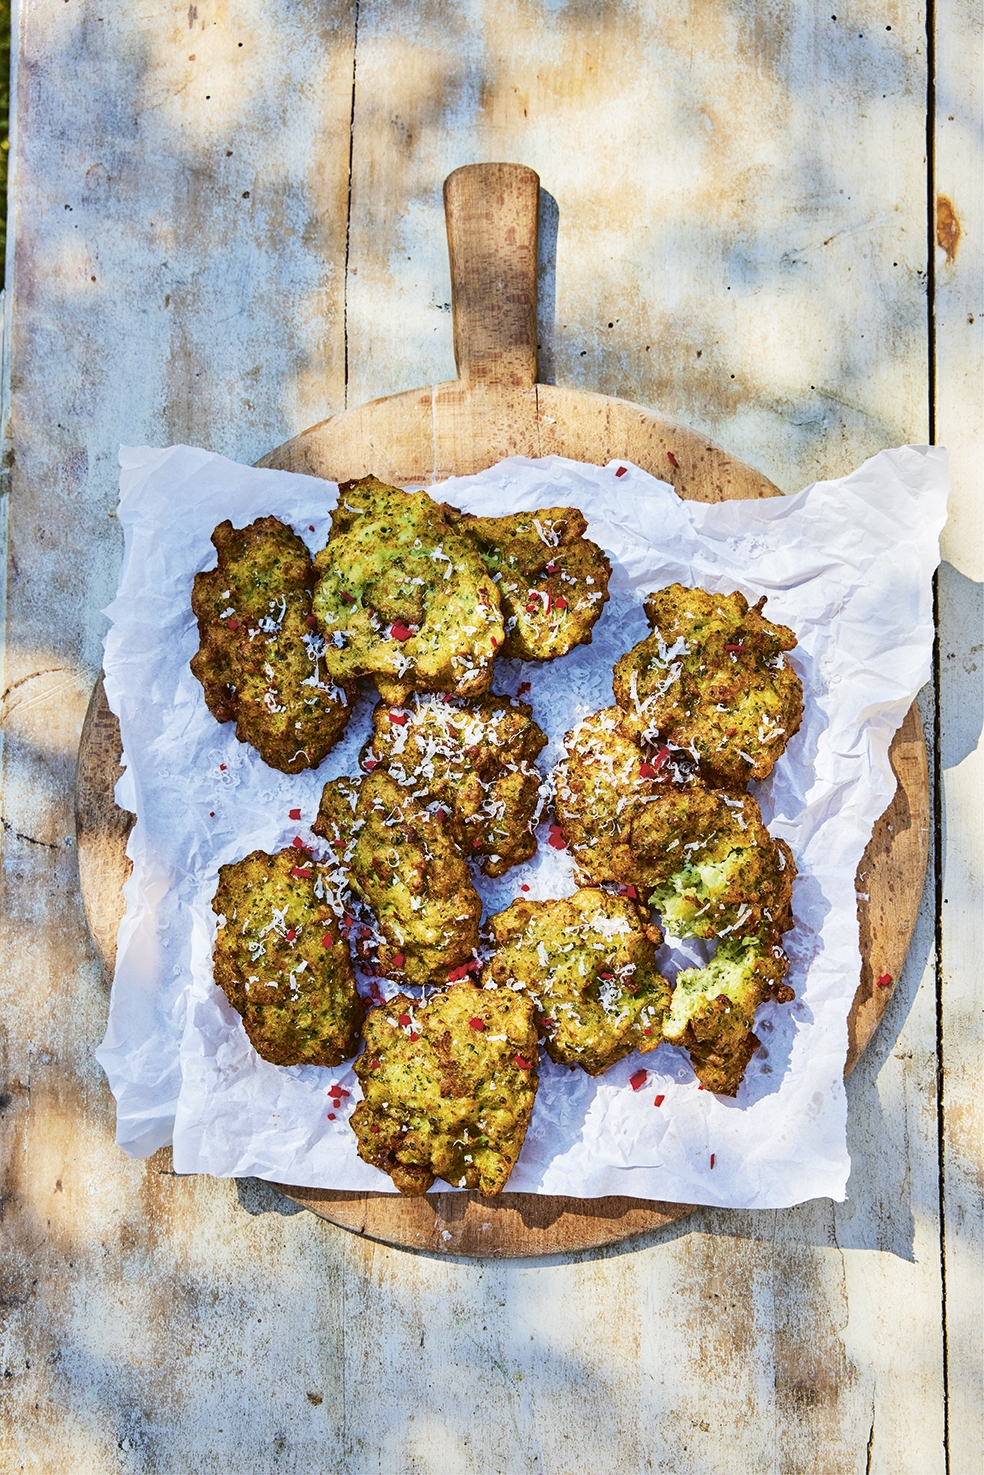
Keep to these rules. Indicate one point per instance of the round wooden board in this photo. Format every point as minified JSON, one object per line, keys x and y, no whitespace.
{"x":496,"y":409}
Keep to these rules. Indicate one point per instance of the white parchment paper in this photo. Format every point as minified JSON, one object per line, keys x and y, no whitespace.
{"x":847,"y":564}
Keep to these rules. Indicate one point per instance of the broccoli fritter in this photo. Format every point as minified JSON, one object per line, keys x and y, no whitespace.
{"x":552,"y":580}
{"x":601,"y":788}
{"x":713,"y":677}
{"x":710,"y":866}
{"x":713,"y":1008}
{"x":401,"y":859}
{"x":449,"y":1088}
{"x":703,"y":856}
{"x":260,"y":660}
{"x":403,"y":597}
{"x":476,"y":760}
{"x":588,"y":963}
{"x":281,"y":961}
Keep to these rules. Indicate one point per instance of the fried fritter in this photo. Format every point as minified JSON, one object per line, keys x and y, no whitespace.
{"x":552,"y":580}
{"x":588,"y":963}
{"x":281,"y":961}
{"x":713,"y":677}
{"x":403,"y":597}
{"x":602,"y":787}
{"x":707,"y":862}
{"x":710,"y":866}
{"x":476,"y":760}
{"x":401,"y":859}
{"x":260,"y":661}
{"x":713,"y":1008}
{"x":449,"y":1088}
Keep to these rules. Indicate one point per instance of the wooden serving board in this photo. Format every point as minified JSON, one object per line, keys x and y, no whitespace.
{"x":495,"y":409}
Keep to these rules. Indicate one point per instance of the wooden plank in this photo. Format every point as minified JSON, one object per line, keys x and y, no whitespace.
{"x":959,"y":323}
{"x":151,"y":1308}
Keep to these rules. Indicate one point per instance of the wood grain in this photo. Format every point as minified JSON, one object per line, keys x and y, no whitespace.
{"x":958,"y":396}
{"x":735,"y":186}
{"x":489,"y":413}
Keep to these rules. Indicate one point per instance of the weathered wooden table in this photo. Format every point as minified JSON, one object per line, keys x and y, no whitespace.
{"x":227,"y":223}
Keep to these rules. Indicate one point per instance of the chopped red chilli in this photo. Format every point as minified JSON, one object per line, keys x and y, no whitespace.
{"x":301,"y":874}
{"x":522,"y":688}
{"x":523,"y":1064}
{"x":659,"y":1100}
{"x":413,"y":1036}
{"x":629,"y":891}
{"x":294,"y":814}
{"x":233,"y":624}
{"x":398,"y":960}
{"x":298,"y":843}
{"x":404,"y":1019}
{"x":672,"y":459}
{"x":560,"y":602}
{"x":290,"y":935}
{"x":400,"y":631}
{"x":639,"y":1079}
{"x":370,"y":763}
{"x":524,"y":887}
{"x":734,"y":647}
{"x":712,"y":1159}
{"x":556,"y":838}
{"x":621,"y":471}
{"x":647,"y":771}
{"x":885,"y":980}
{"x":346,"y":598}
{"x":477,"y":1023}
{"x":400,"y":718}
{"x":312,"y":622}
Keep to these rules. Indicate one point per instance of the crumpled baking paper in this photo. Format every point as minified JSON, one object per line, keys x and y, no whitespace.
{"x":847,"y":564}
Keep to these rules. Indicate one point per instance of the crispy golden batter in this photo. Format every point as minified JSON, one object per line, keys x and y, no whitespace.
{"x":588,"y":963}
{"x":713,"y":1008}
{"x":602,"y":787}
{"x":281,"y":961}
{"x":713,"y":677}
{"x":403,"y":597}
{"x":703,"y":859}
{"x":400,"y":858}
{"x":710,"y":866}
{"x":449,"y":1088}
{"x":475,"y":761}
{"x":260,"y":661}
{"x":703,"y":856}
{"x":552,"y":580}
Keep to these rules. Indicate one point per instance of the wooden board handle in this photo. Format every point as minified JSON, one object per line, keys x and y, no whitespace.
{"x":491,"y":212}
